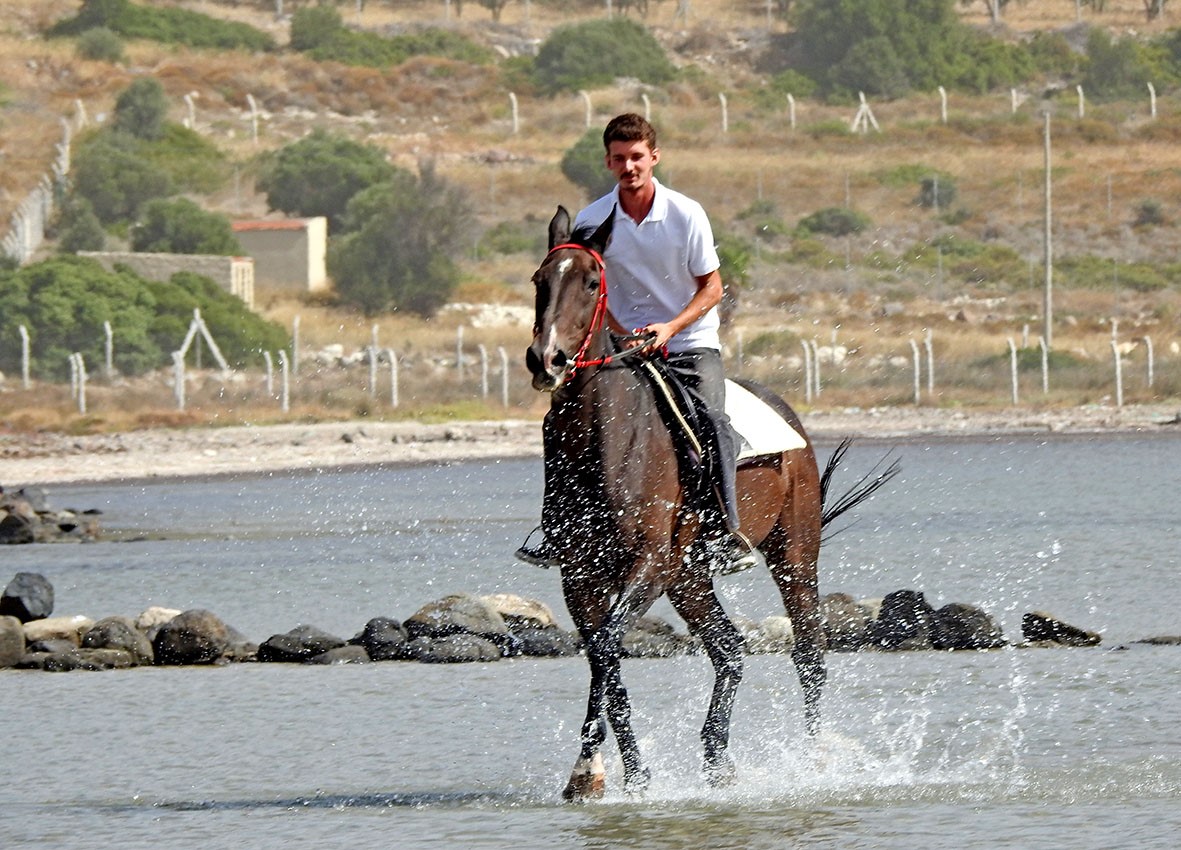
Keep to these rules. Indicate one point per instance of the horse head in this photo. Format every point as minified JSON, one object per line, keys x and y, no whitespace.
{"x":570,"y":301}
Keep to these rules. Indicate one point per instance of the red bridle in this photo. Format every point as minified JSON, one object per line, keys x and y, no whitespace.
{"x":598,"y":318}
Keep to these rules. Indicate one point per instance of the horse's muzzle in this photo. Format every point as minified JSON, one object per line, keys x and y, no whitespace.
{"x":546,"y":378}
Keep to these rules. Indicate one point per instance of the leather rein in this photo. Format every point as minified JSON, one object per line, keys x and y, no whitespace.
{"x":598,"y":319}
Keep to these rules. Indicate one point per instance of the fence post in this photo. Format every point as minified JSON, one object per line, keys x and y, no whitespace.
{"x":81,"y":372}
{"x":483,"y":370}
{"x":25,"y":382}
{"x":725,"y":112}
{"x":647,"y":106}
{"x":1152,"y":100}
{"x":739,"y":353}
{"x":512,"y":98}
{"x":393,"y":355}
{"x":1119,"y":375}
{"x":943,"y":104}
{"x":73,"y":361}
{"x":284,"y":374}
{"x":816,"y":369}
{"x":791,"y":111}
{"x":914,"y":349}
{"x":1151,"y":360}
{"x":1013,"y":367}
{"x":295,"y":346}
{"x":178,"y":374}
{"x":503,"y":375}
{"x":109,"y":350}
{"x":586,"y":103}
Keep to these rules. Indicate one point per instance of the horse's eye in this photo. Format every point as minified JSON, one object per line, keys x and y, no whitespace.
{"x":591,"y":281}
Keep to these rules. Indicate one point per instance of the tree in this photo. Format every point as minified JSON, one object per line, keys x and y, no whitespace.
{"x":319,"y":175}
{"x":142,"y":108}
{"x":399,"y":251}
{"x":583,"y":165}
{"x":110,"y":172}
{"x":79,"y":228}
{"x":179,"y":226}
{"x":581,"y":56}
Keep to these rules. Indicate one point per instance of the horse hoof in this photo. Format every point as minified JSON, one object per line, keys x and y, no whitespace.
{"x":588,"y":781}
{"x":721,"y":773}
{"x":638,"y":781}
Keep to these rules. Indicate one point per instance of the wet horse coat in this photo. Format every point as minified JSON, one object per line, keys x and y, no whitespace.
{"x":626,"y":530}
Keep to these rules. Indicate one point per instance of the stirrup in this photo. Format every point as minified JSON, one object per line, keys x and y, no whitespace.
{"x":735,"y":554}
{"x":540,"y":555}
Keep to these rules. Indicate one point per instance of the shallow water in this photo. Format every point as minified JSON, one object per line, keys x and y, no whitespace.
{"x":980,"y":750}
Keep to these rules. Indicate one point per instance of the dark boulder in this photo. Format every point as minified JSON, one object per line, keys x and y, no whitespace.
{"x":29,"y":596}
{"x":196,"y":636}
{"x":298,"y":645}
{"x":383,"y":638}
{"x":550,"y":642}
{"x":16,"y":529}
{"x":49,"y":645}
{"x":652,"y":637}
{"x":462,"y":614}
{"x":963,"y":626}
{"x":846,"y":622}
{"x":453,"y":649}
{"x":119,"y":633}
{"x":1161,"y":640}
{"x":906,"y":621}
{"x":12,"y":641}
{"x":1040,"y":627}
{"x":347,"y":654}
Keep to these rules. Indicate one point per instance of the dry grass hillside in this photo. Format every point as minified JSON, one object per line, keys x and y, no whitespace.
{"x":861,"y":293}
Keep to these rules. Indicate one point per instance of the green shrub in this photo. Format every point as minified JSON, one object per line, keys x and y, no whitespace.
{"x":78,"y":228}
{"x":179,"y":226}
{"x":833,"y":221}
{"x":314,"y":26}
{"x":110,"y":172}
{"x":595,"y":53}
{"x":936,"y":190}
{"x":166,"y":24}
{"x":141,"y":108}
{"x":584,"y":165}
{"x":320,"y":32}
{"x":320,"y":174}
{"x":100,"y":44}
{"x":514,"y":237}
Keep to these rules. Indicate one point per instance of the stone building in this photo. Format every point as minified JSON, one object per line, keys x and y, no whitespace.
{"x":233,"y":274}
{"x":289,"y":254}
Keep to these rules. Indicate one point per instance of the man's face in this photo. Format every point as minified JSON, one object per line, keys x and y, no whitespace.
{"x":632,"y":163}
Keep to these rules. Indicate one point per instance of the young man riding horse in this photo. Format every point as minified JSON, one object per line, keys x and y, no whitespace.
{"x":663,"y":291}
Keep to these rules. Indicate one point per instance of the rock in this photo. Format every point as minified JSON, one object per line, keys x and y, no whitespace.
{"x":63,"y":628}
{"x":82,"y":659}
{"x":772,"y":636}
{"x":550,"y":642}
{"x":151,"y":619}
{"x":1161,"y":640}
{"x":846,"y":622}
{"x":341,"y":655}
{"x":239,"y":647}
{"x":12,"y":641}
{"x":298,"y":645}
{"x":51,"y":645}
{"x":16,"y":530}
{"x":1040,"y":627}
{"x":196,"y":636}
{"x":652,"y":637}
{"x":119,"y":633}
{"x":963,"y":626}
{"x":461,"y":614}
{"x":453,"y":649}
{"x":521,"y":613}
{"x":906,"y":621}
{"x":29,"y":596}
{"x":383,"y":638}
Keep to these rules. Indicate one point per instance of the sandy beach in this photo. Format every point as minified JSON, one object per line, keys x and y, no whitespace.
{"x":48,"y":458}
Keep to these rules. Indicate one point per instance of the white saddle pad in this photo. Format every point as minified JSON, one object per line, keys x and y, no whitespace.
{"x":761,"y":430}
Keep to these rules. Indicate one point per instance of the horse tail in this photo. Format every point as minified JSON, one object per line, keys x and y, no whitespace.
{"x":865,"y":487}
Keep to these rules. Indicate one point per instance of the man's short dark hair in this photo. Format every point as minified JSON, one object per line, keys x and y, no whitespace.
{"x":629,"y":127}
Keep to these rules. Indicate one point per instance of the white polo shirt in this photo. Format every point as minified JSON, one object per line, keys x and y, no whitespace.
{"x":652,"y":266}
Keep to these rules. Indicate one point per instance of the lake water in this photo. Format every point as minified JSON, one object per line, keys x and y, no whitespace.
{"x":1012,"y":748}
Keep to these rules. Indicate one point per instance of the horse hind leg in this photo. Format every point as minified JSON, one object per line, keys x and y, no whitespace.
{"x":699,"y":607}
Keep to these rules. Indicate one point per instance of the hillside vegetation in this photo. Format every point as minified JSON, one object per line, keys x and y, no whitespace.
{"x":942,"y":224}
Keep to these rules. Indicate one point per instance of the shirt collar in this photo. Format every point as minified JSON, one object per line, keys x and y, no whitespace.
{"x":659,"y":209}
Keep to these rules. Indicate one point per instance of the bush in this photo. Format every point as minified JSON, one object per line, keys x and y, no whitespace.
{"x":181,"y":227}
{"x":141,"y":108}
{"x":79,"y":228}
{"x":320,"y":32}
{"x":110,"y":172}
{"x":320,"y":174}
{"x":584,"y":165}
{"x":400,"y":249}
{"x":833,"y":221}
{"x":100,"y":44}
{"x":166,"y":24}
{"x":595,"y":53}
{"x":936,"y":191}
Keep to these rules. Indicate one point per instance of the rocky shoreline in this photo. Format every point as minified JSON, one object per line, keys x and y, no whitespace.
{"x":467,"y":628}
{"x":201,"y":452}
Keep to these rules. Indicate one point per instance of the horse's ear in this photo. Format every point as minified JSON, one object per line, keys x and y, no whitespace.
{"x":602,"y":234}
{"x":559,"y":227}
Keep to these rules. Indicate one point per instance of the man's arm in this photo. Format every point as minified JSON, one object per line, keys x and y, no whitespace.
{"x":708,"y":296}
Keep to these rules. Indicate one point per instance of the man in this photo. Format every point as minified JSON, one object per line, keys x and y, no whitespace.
{"x":662,"y":279}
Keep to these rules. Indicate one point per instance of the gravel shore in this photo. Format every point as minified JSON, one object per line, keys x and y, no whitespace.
{"x":46,"y":458}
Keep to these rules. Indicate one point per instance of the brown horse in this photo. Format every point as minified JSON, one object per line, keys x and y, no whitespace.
{"x":626,"y":528}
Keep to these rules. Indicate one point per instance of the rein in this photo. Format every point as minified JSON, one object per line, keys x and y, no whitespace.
{"x":598,"y":318}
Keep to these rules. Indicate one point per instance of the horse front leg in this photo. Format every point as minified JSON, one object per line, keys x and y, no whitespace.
{"x":698,"y":605}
